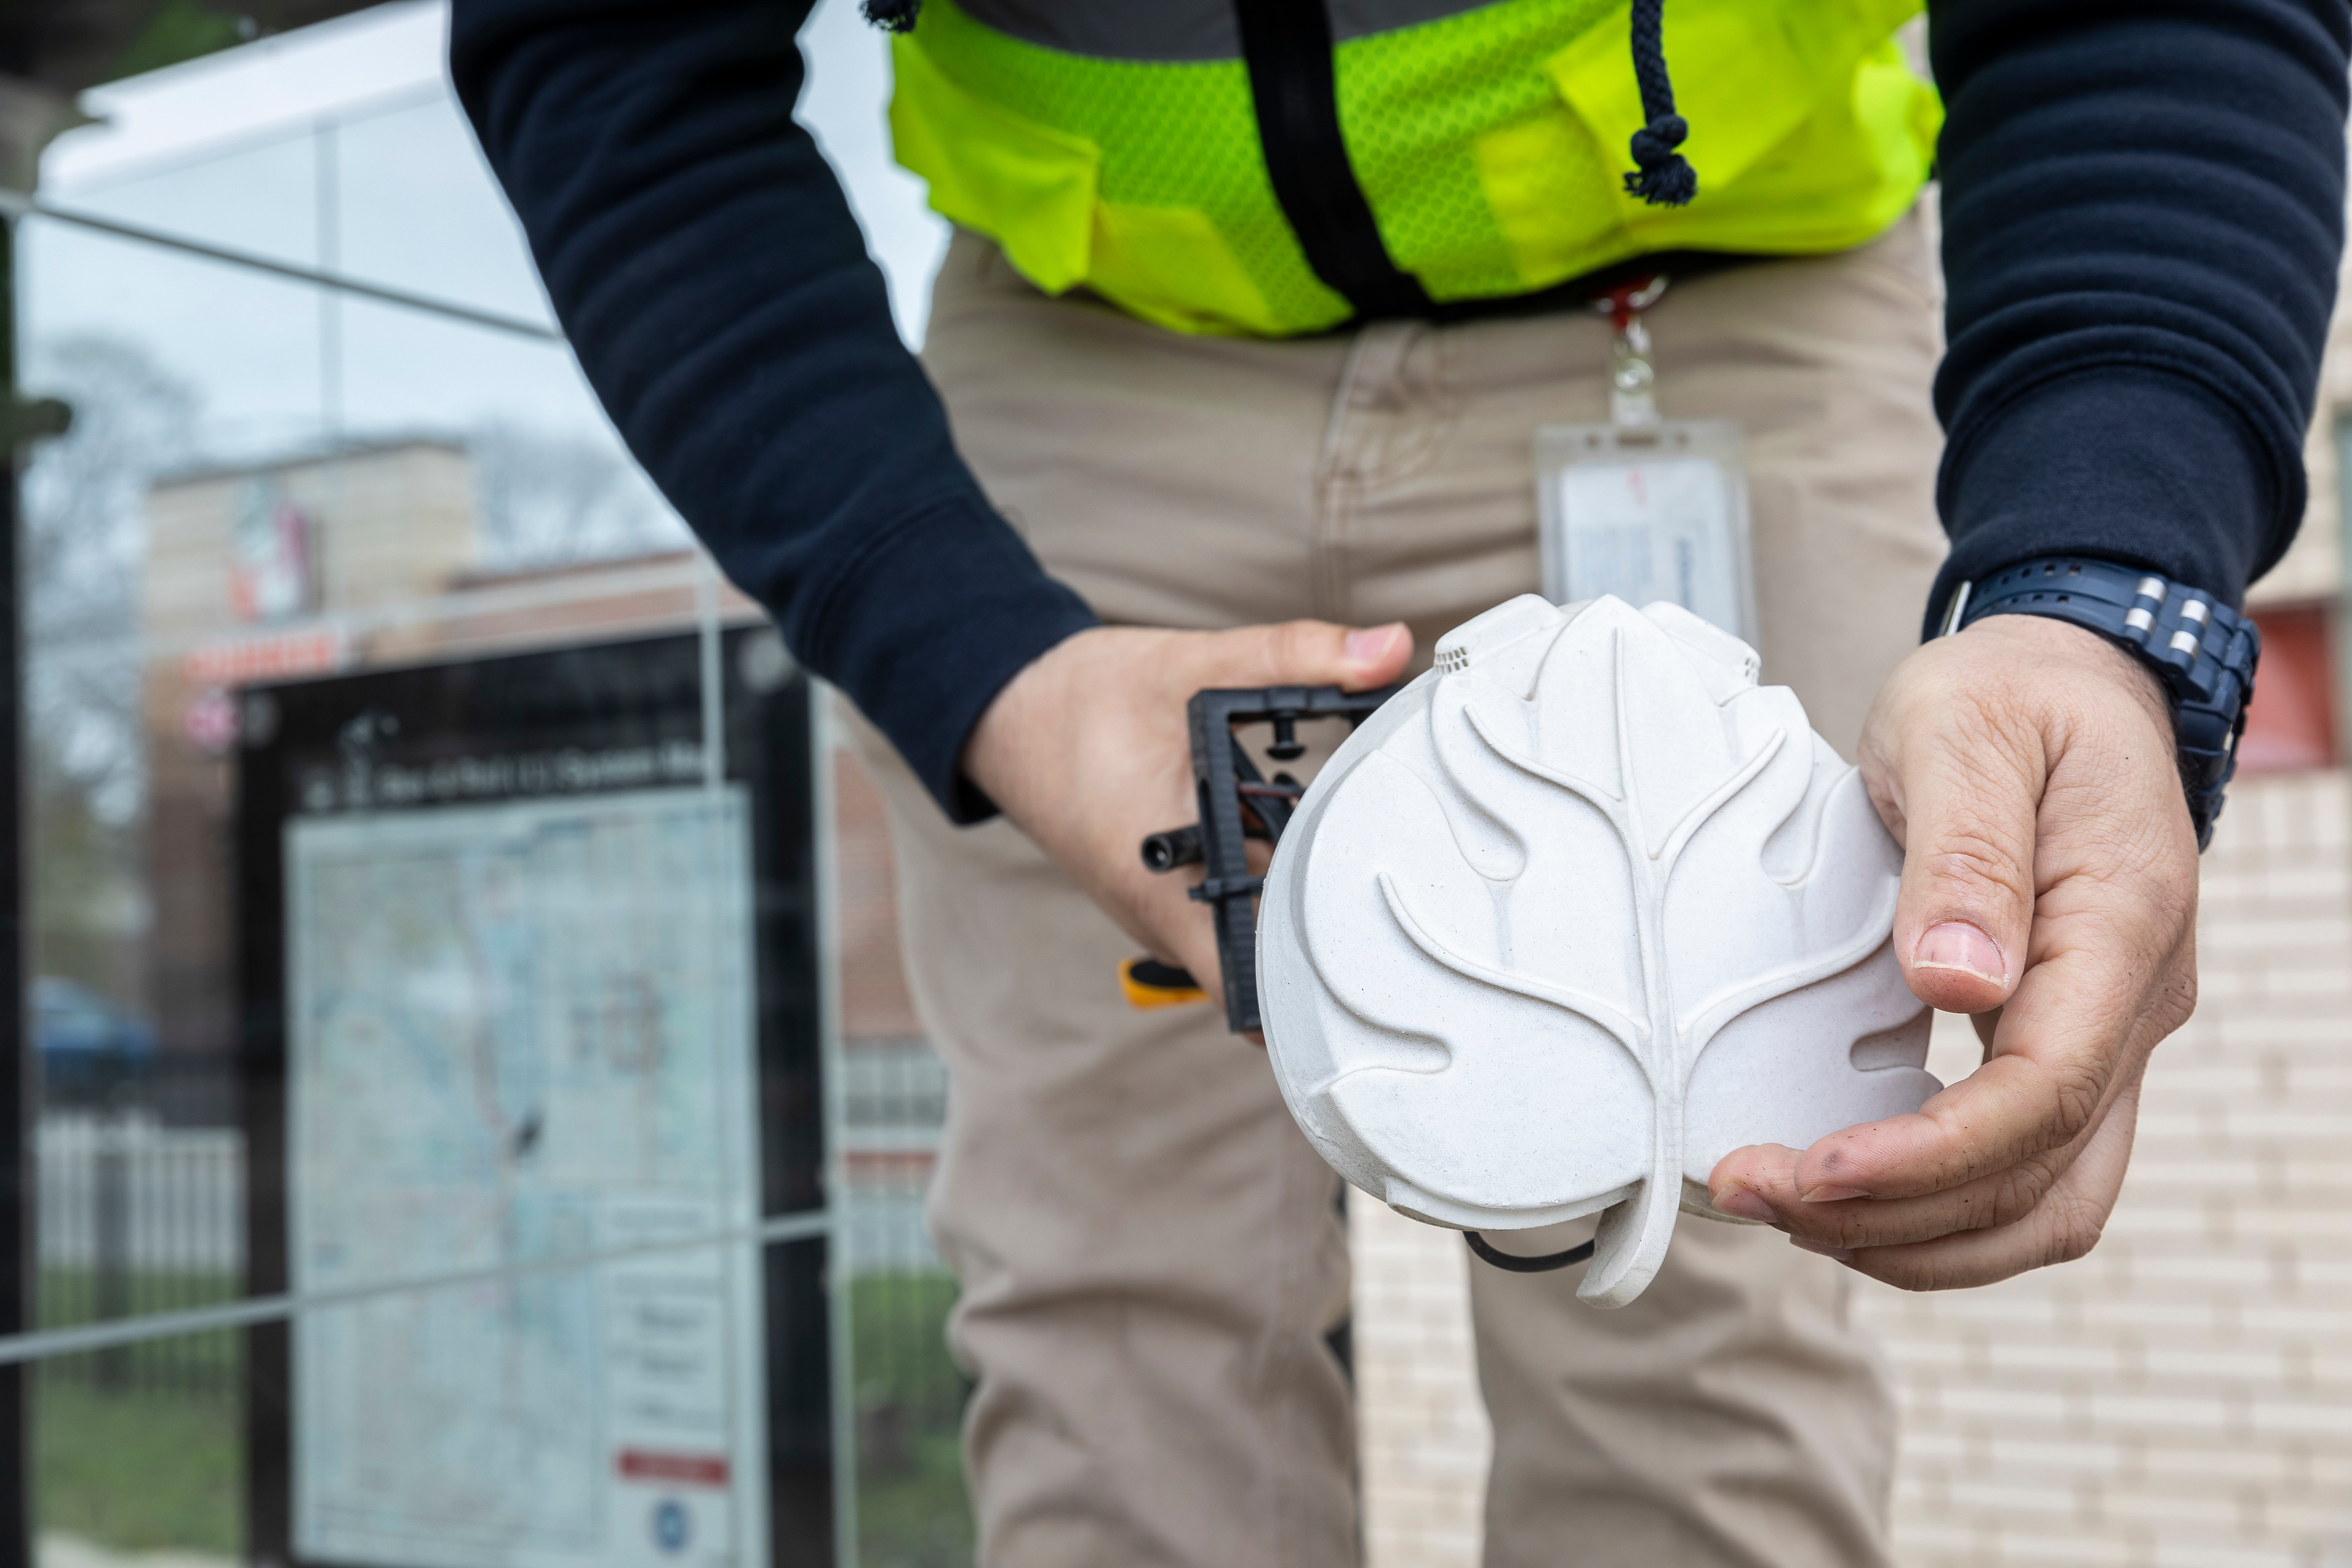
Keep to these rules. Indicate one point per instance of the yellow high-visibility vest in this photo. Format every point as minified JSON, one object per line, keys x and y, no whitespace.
{"x":1113,"y":146}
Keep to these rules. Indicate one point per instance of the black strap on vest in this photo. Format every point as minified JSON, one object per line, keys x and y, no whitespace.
{"x":1287,"y":46}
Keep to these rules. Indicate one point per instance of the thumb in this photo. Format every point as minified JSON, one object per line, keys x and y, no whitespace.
{"x":1308,"y":653}
{"x":1966,"y":903}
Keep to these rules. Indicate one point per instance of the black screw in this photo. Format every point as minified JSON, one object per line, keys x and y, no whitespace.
{"x":1287,"y":747}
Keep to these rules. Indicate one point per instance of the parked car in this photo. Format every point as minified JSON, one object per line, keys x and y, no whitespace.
{"x":87,"y":1042}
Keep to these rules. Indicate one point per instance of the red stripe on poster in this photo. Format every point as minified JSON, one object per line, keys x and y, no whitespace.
{"x":685,"y":1469}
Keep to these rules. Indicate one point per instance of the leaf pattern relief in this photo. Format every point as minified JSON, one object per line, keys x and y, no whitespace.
{"x":1598,"y":912}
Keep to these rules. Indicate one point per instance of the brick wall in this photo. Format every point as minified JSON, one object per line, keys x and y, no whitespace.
{"x":2181,"y":1398}
{"x":1424,"y":1439}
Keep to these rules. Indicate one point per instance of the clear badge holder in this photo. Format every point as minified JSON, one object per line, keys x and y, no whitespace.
{"x":1644,"y":507}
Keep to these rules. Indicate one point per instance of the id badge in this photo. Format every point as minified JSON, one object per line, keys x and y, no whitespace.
{"x":1648,"y":512}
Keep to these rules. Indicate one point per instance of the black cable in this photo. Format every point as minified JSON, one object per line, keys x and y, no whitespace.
{"x":1516,"y":1264}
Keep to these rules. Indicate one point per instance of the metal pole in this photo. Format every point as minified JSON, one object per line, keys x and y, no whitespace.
{"x":16,"y":1198}
{"x":840,"y":1256}
{"x":111,"y":1259}
{"x":326,"y":152}
{"x":16,"y":204}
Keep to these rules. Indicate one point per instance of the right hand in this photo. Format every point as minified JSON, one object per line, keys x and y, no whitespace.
{"x":2050,"y":872}
{"x":1088,"y":751}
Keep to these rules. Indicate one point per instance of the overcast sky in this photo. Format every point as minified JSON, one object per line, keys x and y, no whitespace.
{"x":231,"y":150}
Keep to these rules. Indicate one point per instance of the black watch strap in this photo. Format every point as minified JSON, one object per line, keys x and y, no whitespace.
{"x":2203,"y":651}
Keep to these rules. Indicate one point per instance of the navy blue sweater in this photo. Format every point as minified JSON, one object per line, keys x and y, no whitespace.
{"x":2142,"y":207}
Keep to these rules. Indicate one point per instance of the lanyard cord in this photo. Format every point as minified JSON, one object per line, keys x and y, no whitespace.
{"x":1664,"y":178}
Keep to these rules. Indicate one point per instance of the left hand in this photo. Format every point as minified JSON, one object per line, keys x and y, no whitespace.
{"x":2050,"y":888}
{"x":1088,"y":749}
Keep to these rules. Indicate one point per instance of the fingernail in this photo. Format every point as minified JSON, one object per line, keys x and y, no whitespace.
{"x":1741,"y":1204}
{"x":1842,"y":1254}
{"x":1829,"y":1195}
{"x":1370,"y":642}
{"x":1956,"y":944}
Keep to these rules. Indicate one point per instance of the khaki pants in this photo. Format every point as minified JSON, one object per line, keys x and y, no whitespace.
{"x":1151,"y":1254}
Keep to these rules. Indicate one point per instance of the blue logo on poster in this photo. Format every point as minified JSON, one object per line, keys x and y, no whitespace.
{"x":672,"y":1525}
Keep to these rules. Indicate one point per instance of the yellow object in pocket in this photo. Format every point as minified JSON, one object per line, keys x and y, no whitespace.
{"x":1152,"y":983}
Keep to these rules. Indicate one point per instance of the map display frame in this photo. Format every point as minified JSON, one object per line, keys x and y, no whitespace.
{"x":526,"y":974}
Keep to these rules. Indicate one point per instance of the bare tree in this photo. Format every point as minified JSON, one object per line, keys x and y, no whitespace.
{"x":551,"y":499}
{"x":83,"y":532}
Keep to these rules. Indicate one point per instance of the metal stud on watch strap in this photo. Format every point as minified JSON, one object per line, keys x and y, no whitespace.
{"x":2203,"y":651}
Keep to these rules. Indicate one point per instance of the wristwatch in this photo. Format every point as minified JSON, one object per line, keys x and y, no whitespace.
{"x":2202,"y":651}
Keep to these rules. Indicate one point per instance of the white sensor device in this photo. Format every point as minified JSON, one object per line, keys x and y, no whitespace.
{"x":1574,"y":915}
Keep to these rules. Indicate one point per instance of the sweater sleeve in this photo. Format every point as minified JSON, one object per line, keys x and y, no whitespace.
{"x":2142,"y":210}
{"x":711,"y":279}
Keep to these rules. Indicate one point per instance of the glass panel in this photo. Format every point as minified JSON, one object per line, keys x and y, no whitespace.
{"x":216,"y":364}
{"x":433,"y":1054}
{"x":238,"y":150}
{"x":519,"y":968}
{"x":907,"y":1391}
{"x":2343,"y":434}
{"x":258,"y":196}
{"x":141,"y":1450}
{"x":550,"y":1416}
{"x":424,"y":897}
{"x":552,"y":485}
{"x":418,"y":209}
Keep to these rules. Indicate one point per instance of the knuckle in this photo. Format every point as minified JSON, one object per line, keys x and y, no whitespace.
{"x":2000,"y":727}
{"x":1905,"y":1278}
{"x":2178,"y":1001}
{"x":1307,"y":645}
{"x":1966,"y":855}
{"x":1932,"y":1268}
{"x":2081,"y":1088}
{"x":1955,"y":1214}
{"x":2076,"y":1231}
{"x":1955,"y":1274}
{"x":1858,"y":1230}
{"x":2169,"y":897}
{"x":2017,"y":1193}
{"x":2070,"y":1246}
{"x":1284,"y":643}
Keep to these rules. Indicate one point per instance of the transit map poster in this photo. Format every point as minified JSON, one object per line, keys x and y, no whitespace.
{"x":522,"y":1022}
{"x":518,"y":1032}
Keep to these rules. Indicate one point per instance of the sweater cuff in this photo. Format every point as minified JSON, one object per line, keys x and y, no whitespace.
{"x":926,"y":626}
{"x":2139,"y":467}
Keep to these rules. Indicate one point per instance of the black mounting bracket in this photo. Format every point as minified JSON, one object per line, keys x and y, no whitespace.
{"x":1236,"y":803}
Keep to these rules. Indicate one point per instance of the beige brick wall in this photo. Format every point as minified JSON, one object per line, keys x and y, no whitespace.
{"x":1423,"y":1432}
{"x":2181,"y":1398}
